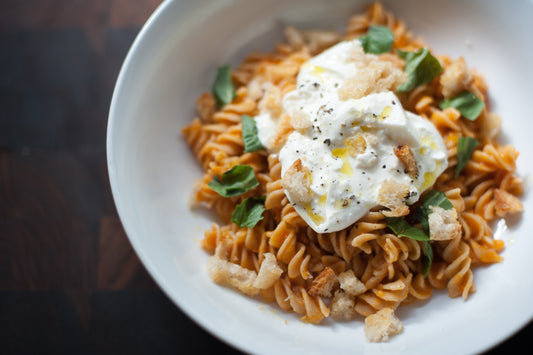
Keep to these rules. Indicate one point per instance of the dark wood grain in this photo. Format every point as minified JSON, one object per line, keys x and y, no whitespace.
{"x":70,"y":281}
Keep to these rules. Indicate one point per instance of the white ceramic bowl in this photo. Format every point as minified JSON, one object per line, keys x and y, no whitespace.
{"x":152,"y":170}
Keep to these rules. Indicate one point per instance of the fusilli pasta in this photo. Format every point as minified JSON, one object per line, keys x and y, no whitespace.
{"x":390,"y":267}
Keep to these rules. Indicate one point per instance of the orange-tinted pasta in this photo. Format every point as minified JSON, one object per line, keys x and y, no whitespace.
{"x":390,"y":267}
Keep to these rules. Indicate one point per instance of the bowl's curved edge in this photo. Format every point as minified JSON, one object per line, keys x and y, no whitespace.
{"x":146,"y":28}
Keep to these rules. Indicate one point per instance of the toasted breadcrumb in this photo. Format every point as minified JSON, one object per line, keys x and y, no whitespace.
{"x":206,"y":106}
{"x":378,"y":76}
{"x":283,"y":130}
{"x":271,"y":101}
{"x":455,"y":78}
{"x":506,"y":203}
{"x":356,"y":145}
{"x":443,"y":224}
{"x":351,"y":284}
{"x":296,"y":181}
{"x":490,"y":124}
{"x":382,"y":325}
{"x":256,"y":89}
{"x":300,"y":120}
{"x":406,"y":156}
{"x":342,"y":306}
{"x":269,"y":272}
{"x":393,"y":196}
{"x":323,"y":284}
{"x":226,"y":273}
{"x":229,"y":274}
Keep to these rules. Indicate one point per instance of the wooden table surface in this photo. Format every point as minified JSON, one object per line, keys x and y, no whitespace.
{"x":69,"y":279}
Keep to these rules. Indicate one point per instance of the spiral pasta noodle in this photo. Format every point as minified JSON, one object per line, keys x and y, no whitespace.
{"x":389,"y":268}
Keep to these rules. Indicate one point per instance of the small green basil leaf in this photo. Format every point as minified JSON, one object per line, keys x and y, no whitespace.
{"x":249,"y":135}
{"x":249,"y":212}
{"x":234,"y":182}
{"x":421,"y":214}
{"x":378,"y":40}
{"x":467,"y":103}
{"x":437,"y":198}
{"x":404,"y":229}
{"x":407,"y":56}
{"x":465,"y":148}
{"x":421,"y":67}
{"x":429,"y":257}
{"x":223,"y":88}
{"x":432,"y":198}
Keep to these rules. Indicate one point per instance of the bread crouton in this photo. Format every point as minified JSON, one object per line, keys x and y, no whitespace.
{"x":271,"y":101}
{"x":206,"y":106}
{"x":506,"y":203}
{"x":323,"y":284}
{"x":283,"y":130}
{"x":255,"y":89}
{"x":297,"y":183}
{"x":356,"y":144}
{"x":342,"y":306}
{"x":229,"y":274}
{"x":382,"y":325}
{"x":407,"y":158}
{"x":393,"y":196}
{"x":378,"y":76}
{"x":300,"y":120}
{"x":443,"y":224}
{"x":455,"y":78}
{"x":351,"y":284}
{"x":269,"y":272}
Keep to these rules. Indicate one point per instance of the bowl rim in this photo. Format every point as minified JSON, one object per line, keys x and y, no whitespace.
{"x":110,"y":153}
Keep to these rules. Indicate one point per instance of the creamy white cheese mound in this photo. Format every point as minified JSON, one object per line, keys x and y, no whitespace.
{"x":342,"y":151}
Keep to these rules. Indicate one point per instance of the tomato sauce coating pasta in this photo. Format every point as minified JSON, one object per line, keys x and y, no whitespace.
{"x":390,"y":267}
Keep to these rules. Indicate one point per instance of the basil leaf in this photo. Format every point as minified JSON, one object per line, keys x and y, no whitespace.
{"x":249,"y":212}
{"x":421,"y":214}
{"x":465,"y":148}
{"x":234,"y":182}
{"x":403,"y":229}
{"x":421,"y":67}
{"x":467,"y":103}
{"x":378,"y":40}
{"x":437,"y":198}
{"x":407,"y":56}
{"x":223,"y":88}
{"x":429,"y":257}
{"x":249,"y":135}
{"x":432,"y":198}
